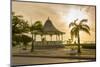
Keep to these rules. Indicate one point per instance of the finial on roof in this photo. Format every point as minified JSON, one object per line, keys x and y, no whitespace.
{"x":48,"y":18}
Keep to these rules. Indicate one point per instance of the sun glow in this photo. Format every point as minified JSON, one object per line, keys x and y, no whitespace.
{"x":74,"y":14}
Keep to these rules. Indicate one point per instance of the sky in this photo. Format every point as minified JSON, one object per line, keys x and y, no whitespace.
{"x":61,"y":16}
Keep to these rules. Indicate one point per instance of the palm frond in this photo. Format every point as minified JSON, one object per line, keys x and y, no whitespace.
{"x":72,"y":24}
{"x":82,"y":21}
{"x":75,"y":20}
{"x":85,"y":26}
{"x":74,"y":32}
{"x":20,"y":16}
{"x":85,"y":30}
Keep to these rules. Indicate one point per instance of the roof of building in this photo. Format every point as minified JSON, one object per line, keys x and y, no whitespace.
{"x":49,"y":28}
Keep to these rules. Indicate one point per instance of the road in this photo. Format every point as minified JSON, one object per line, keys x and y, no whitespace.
{"x":39,"y":60}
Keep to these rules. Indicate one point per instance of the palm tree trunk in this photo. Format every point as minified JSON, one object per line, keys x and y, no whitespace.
{"x":25,"y":46}
{"x":79,"y":43}
{"x":32,"y":46}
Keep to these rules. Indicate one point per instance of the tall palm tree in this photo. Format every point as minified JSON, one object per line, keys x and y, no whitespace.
{"x":34,"y":29}
{"x":76,"y":28}
{"x":31,"y":31}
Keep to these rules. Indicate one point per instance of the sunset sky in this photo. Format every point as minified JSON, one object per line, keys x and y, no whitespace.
{"x":60,"y":15}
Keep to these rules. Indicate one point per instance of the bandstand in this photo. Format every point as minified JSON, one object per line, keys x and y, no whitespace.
{"x":49,"y":30}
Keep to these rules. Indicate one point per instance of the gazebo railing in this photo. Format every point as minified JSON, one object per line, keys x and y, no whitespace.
{"x":48,"y":44}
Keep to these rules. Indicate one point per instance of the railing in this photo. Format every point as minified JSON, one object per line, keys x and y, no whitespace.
{"x":48,"y":44}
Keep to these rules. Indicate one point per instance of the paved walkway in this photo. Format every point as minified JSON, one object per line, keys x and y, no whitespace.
{"x":41,"y":60}
{"x":57,"y":53}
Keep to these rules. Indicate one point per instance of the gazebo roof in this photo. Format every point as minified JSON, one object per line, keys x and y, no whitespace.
{"x":49,"y":28}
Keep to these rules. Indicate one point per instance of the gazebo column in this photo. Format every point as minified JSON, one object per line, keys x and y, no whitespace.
{"x":62,"y":37}
{"x":45,"y":36}
{"x":51,"y":37}
{"x":56,"y":37}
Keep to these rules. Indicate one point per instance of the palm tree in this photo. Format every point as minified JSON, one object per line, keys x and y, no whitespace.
{"x":76,"y":28}
{"x":34,"y":29}
{"x":31,"y":31}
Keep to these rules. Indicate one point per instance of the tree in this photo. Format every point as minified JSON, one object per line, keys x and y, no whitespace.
{"x":38,"y":26}
{"x":34,"y":29}
{"x":19,"y":26}
{"x":76,"y":28}
{"x":16,"y":23}
{"x":25,"y":39}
